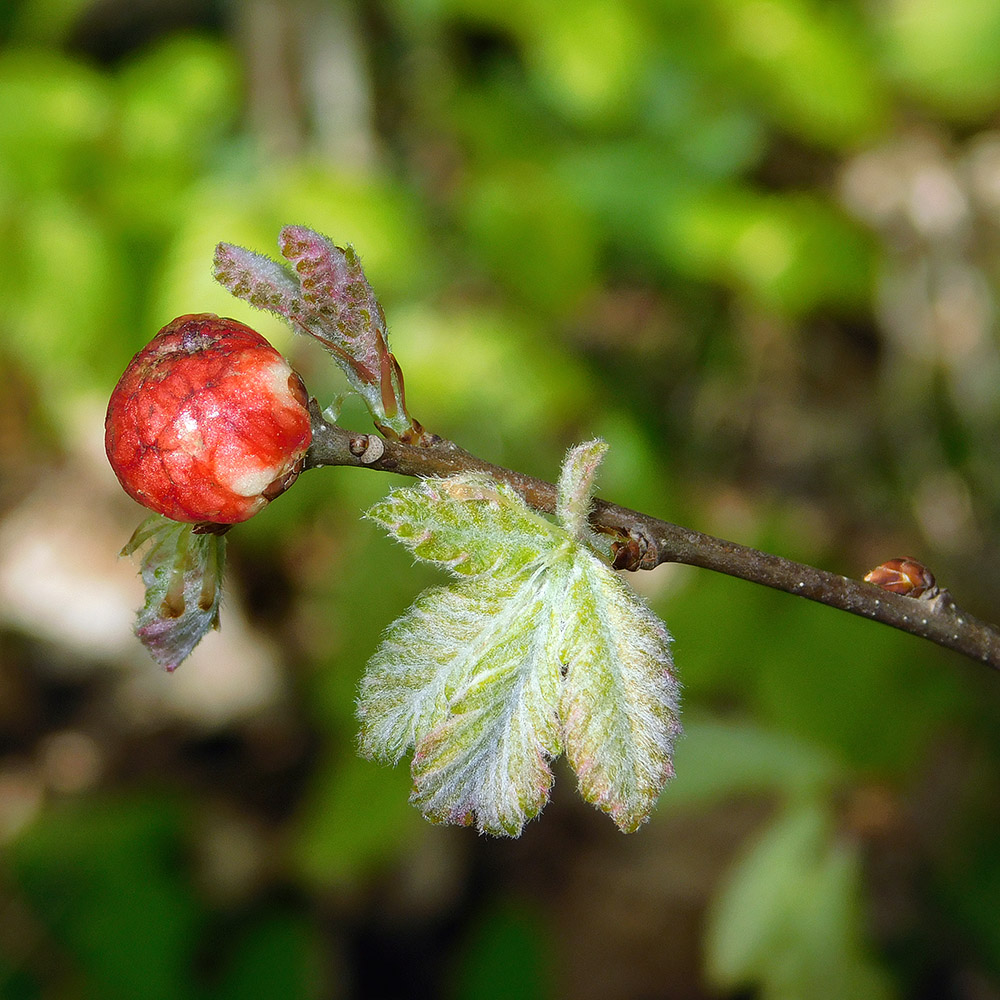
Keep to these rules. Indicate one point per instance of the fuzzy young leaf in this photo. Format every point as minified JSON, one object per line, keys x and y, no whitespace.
{"x":576,"y":484}
{"x":327,"y":297}
{"x":257,"y":279}
{"x":466,"y":677}
{"x":182,"y":572}
{"x":343,"y":314}
{"x":619,"y":701}
{"x":541,"y":646}
{"x":470,"y":524}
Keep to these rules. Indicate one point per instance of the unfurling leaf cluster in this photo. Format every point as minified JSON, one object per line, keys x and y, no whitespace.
{"x":537,"y":649}
{"x":326,"y":296}
{"x":182,"y":570}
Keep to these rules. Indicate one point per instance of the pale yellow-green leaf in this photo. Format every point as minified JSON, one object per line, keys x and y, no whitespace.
{"x":470,"y":524}
{"x":540,"y":646}
{"x":466,"y":676}
{"x":619,"y":700}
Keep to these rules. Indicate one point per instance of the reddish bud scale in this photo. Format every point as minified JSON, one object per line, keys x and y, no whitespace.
{"x":208,"y":423}
{"x":904,"y":576}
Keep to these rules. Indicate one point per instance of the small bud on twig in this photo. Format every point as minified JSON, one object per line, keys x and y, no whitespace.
{"x":905,"y":576}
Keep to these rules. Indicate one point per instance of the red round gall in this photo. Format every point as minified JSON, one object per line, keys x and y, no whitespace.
{"x":209,"y":423}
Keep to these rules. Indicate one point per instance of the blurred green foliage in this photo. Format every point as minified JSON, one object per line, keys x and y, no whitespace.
{"x":753,"y":243}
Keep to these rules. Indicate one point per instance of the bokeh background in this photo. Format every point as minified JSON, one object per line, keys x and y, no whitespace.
{"x":754,"y":244}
